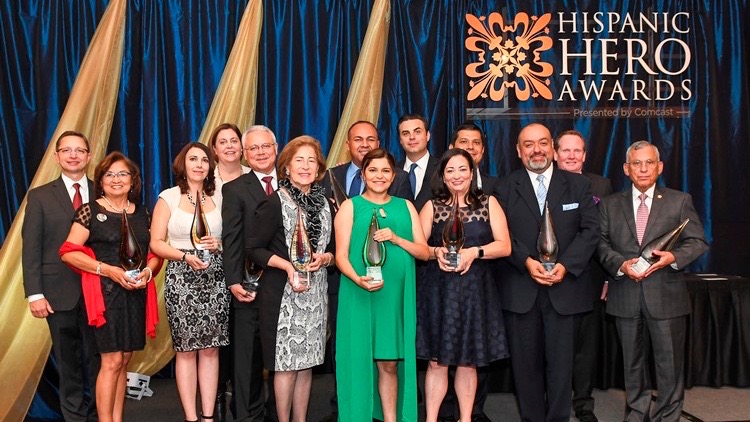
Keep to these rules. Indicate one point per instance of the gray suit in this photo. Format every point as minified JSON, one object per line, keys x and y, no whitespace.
{"x":655,"y":307}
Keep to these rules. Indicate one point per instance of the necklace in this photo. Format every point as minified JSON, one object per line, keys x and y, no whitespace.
{"x":192,"y":200}
{"x":114,"y":207}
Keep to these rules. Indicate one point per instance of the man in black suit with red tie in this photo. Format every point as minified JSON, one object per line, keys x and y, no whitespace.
{"x":52,"y":288}
{"x":241,"y":198}
{"x":540,"y":306}
{"x":419,"y":164}
{"x":650,"y":304}
{"x":570,"y":154}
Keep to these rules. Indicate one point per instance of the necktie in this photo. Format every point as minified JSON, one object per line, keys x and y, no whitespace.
{"x":356,"y":185}
{"x":641,"y":218}
{"x":269,"y":187}
{"x":541,"y":192}
{"x":413,"y":179}
{"x":77,"y":198}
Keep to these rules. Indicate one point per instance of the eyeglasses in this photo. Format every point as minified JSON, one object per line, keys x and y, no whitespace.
{"x":264,"y":147}
{"x":120,"y":175}
{"x":639,"y":163}
{"x":68,"y":151}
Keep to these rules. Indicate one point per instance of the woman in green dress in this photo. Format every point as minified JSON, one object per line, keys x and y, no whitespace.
{"x":375,"y":347}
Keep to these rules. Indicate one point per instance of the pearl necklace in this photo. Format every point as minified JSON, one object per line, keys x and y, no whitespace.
{"x":127,"y":206}
{"x":192,"y":200}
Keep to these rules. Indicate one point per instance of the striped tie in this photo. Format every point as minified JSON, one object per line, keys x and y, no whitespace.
{"x":541,"y":193}
{"x":641,"y":218}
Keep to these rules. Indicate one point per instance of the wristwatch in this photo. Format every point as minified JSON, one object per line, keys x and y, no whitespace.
{"x":480,"y":252}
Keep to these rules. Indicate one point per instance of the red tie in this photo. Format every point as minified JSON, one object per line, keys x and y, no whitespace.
{"x":77,"y":199}
{"x":641,"y":218}
{"x":269,"y":187}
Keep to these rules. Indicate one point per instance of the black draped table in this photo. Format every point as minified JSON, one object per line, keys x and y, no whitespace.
{"x":717,"y":343}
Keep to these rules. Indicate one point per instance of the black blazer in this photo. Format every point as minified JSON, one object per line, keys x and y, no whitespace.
{"x":425,"y":193}
{"x":576,"y":225}
{"x":241,"y":198}
{"x":46,"y":225}
{"x":490,"y":184}
{"x":601,"y":187}
{"x":664,"y":292}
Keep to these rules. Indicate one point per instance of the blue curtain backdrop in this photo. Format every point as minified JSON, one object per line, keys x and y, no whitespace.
{"x":175,"y":53}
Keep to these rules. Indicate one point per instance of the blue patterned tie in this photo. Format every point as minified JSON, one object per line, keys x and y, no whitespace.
{"x":541,"y":193}
{"x":356,"y":185}
{"x":413,"y":179}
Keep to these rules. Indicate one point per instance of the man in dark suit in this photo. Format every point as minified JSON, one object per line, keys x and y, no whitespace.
{"x":414,"y":136}
{"x":570,"y":154}
{"x":470,"y":138}
{"x":650,"y":306}
{"x":361,"y":138}
{"x":540,"y":306}
{"x":241,"y":198}
{"x":52,"y":288}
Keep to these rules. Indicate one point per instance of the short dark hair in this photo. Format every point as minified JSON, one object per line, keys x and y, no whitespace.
{"x":134,"y":195}
{"x":72,"y":133}
{"x":221,"y":127}
{"x":440,"y":191}
{"x":413,"y":116}
{"x":378,"y":153}
{"x":468,"y":125}
{"x":178,"y":168}
{"x":285,"y":157}
{"x":566,"y":133}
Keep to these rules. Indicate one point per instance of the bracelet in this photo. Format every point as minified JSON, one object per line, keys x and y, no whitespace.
{"x":150,"y":273}
{"x":434,"y":251}
{"x":183,"y":256}
{"x":99,"y":268}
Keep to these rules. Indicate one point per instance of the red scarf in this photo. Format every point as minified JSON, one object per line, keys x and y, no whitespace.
{"x":92,"y":292}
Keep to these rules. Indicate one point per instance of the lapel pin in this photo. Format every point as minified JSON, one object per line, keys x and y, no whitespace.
{"x":658,"y":196}
{"x":101,"y":217}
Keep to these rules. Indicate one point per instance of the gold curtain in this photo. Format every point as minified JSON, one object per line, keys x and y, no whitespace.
{"x":25,"y":341}
{"x":363,"y":101}
{"x":234,"y":102}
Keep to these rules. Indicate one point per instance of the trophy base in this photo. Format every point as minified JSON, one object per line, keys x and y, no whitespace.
{"x":454,"y":259}
{"x":376,"y":273}
{"x":548,"y":266}
{"x":301,"y":279}
{"x":641,"y":266}
{"x":250,"y":286}
{"x":204,"y":255}
{"x":132,"y":274}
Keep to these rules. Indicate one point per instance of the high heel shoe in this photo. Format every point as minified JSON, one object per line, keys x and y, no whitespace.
{"x":207,"y":417}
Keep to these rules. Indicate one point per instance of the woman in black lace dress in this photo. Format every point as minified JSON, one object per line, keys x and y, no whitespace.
{"x":93,"y":247}
{"x":459,"y":319}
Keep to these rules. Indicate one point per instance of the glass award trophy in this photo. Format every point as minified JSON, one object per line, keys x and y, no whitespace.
{"x":546,"y":243}
{"x":198,"y":230}
{"x":374,"y":252}
{"x":338,"y":196}
{"x":130,"y":251}
{"x":664,"y":243}
{"x":251,"y":275}
{"x":300,"y":253}
{"x":453,"y":235}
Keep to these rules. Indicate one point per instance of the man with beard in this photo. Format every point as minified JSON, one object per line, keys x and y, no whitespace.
{"x":540,"y":306}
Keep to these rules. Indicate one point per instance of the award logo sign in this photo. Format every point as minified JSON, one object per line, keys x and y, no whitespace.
{"x":557,"y":61}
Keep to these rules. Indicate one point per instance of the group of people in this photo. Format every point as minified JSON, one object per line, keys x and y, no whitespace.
{"x":303,"y":236}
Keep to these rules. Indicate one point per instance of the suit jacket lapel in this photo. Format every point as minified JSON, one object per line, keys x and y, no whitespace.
{"x":526,"y":192}
{"x":626,"y":205}
{"x":557,"y":187}
{"x":657,"y":205}
{"x":62,"y":196}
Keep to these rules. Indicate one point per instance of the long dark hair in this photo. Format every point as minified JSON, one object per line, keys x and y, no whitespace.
{"x":440,"y":191}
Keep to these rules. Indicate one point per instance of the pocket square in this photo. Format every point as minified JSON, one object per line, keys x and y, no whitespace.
{"x":571,"y":206}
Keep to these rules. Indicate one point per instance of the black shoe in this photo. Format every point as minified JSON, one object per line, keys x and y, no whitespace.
{"x":480,"y":417}
{"x":220,"y":409}
{"x":331,"y":417}
{"x":586,"y":416}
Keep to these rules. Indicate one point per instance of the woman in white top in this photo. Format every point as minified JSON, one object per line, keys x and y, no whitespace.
{"x":226,"y":142}
{"x":195,"y":293}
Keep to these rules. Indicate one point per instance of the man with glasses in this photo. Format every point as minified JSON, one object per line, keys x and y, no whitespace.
{"x":650,"y":305}
{"x":241,"y":198}
{"x":52,"y":288}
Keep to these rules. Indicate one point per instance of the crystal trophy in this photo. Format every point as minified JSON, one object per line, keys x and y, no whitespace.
{"x":453,"y":235}
{"x":198,"y":230}
{"x":374,"y":252}
{"x":338,"y":196}
{"x":300,"y":253}
{"x":663,"y":243}
{"x":251,"y":275}
{"x":130,"y":251}
{"x":546,"y":243}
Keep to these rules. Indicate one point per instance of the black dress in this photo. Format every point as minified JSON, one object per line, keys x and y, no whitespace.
{"x":125,"y":310}
{"x":459,"y":317}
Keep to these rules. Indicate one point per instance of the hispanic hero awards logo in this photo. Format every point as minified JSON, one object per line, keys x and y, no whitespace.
{"x":579,"y":64}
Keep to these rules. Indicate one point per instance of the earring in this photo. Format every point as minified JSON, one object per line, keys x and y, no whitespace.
{"x":286,"y":171}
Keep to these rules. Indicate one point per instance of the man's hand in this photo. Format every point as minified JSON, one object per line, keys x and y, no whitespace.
{"x":40,"y":308}
{"x":626,"y":268}
{"x":538,"y":273}
{"x":665,"y":259}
